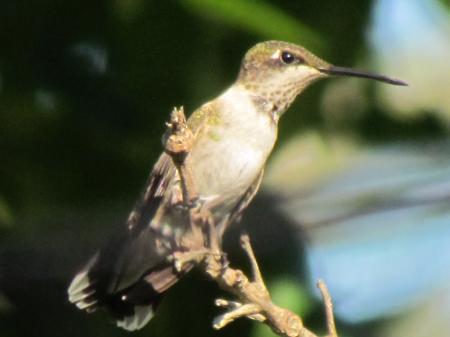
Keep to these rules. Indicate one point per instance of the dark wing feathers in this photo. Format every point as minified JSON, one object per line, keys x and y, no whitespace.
{"x":121,"y":275}
{"x":151,"y":199}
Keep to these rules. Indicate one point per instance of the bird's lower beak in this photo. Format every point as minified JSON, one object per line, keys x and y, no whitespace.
{"x":341,"y":71}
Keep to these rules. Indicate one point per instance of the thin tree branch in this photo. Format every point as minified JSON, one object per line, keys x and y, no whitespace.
{"x":331,"y":327}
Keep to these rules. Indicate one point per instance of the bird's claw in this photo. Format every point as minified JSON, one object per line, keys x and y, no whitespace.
{"x":180,"y":259}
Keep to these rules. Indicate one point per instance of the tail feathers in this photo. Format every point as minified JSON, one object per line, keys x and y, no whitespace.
{"x":131,"y":307}
{"x":82,"y":293}
{"x":142,"y":314}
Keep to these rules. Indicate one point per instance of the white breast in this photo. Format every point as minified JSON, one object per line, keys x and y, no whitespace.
{"x":229,"y":164}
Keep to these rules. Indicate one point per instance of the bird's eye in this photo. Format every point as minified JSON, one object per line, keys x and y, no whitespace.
{"x":287,"y":57}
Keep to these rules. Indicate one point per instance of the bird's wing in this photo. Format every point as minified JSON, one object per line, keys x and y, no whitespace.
{"x":131,"y":252}
{"x":242,"y":204}
{"x":204,"y":116}
{"x":151,"y":199}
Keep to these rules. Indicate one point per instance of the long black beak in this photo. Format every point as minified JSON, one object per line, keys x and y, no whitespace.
{"x":341,"y":71}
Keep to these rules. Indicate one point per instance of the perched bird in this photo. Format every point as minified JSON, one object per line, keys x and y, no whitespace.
{"x":233,"y":136}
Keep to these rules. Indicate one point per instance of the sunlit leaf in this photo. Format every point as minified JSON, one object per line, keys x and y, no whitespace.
{"x":258,"y":17}
{"x":446,"y":3}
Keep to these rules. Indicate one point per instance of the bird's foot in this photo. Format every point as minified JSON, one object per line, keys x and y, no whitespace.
{"x":181,"y":258}
{"x":254,"y":300}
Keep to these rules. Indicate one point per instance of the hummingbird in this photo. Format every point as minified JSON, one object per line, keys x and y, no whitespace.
{"x":234,"y":135}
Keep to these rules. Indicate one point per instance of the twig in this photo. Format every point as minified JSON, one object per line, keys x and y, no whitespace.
{"x":177,"y":141}
{"x":331,"y":327}
{"x":253,"y":298}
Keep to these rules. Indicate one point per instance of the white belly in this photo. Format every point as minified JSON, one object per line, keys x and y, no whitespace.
{"x":226,"y":165}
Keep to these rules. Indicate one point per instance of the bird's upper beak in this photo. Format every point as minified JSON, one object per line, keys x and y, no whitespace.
{"x":342,"y":71}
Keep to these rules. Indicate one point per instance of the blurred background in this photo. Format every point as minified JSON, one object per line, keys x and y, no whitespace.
{"x":357,"y":191}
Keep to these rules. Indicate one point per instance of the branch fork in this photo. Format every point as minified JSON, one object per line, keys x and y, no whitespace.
{"x":253,"y":300}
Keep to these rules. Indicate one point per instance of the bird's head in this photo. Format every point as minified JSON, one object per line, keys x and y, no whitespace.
{"x":278,"y":71}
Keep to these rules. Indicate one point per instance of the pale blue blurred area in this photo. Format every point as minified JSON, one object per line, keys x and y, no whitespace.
{"x":383,"y":242}
{"x":376,"y":221}
{"x":406,"y":21}
{"x":411,"y":39}
{"x":389,"y":272}
{"x":394,"y":177}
